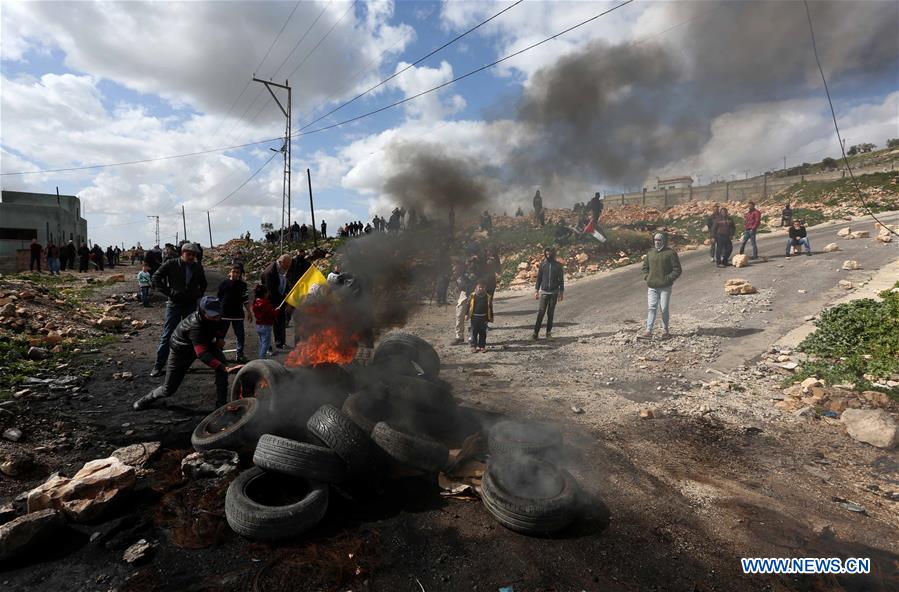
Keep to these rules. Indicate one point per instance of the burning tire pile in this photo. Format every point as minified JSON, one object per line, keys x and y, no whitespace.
{"x":309,"y":438}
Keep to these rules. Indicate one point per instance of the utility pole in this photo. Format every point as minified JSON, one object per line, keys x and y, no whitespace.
{"x":785,"y":164}
{"x":285,"y":149}
{"x":746,"y":173}
{"x":699,"y":179}
{"x":157,"y":228}
{"x":176,"y":238}
{"x":209,"y":222}
{"x":184,"y":222}
{"x":311,"y":208}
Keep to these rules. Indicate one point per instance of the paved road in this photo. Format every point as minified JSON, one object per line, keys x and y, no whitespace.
{"x":619,"y":296}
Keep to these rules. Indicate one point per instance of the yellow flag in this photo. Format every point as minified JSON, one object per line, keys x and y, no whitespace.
{"x":312,"y":277}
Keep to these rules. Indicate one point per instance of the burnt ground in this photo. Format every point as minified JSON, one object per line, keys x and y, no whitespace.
{"x":672,"y":502}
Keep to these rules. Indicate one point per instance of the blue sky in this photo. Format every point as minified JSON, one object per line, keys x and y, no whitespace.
{"x":86,"y":84}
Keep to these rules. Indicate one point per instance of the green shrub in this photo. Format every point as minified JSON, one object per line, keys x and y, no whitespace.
{"x":853,"y":339}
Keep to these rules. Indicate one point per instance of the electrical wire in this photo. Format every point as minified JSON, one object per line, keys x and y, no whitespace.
{"x":320,"y":41}
{"x":344,"y":122}
{"x":836,"y":126}
{"x":463,"y":76}
{"x":413,"y":64}
{"x":250,"y":178}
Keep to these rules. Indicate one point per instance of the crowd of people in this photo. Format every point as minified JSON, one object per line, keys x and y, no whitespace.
{"x":61,"y":258}
{"x":722,"y":229}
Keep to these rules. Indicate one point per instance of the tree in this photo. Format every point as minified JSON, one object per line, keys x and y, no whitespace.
{"x":267,"y":227}
{"x":893,"y":143}
{"x":853,"y":150}
{"x":829,"y":163}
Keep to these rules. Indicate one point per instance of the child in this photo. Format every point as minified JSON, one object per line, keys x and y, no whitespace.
{"x":232,"y":293}
{"x":480,"y":310}
{"x":144,"y":280}
{"x":265,"y":318}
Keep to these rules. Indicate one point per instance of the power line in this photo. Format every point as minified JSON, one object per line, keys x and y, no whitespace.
{"x":297,"y":44}
{"x":413,"y":64}
{"x":320,"y":41}
{"x":836,"y":126}
{"x":250,"y":178}
{"x":340,"y":123}
{"x":463,"y":76}
{"x":144,"y":160}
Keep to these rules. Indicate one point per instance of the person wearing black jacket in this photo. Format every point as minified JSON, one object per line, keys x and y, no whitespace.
{"x":278,"y":278}
{"x":183,"y":282}
{"x":798,"y":237}
{"x":199,"y":335}
{"x":549,"y":289}
{"x":83,"y":256}
{"x":67,"y":258}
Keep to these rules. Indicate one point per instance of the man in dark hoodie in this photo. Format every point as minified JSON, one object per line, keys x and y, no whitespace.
{"x":660,"y":268}
{"x":549,"y":289}
{"x":200,"y":335}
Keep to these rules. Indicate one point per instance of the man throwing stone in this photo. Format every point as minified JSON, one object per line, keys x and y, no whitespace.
{"x":200,"y":335}
{"x":549,"y":289}
{"x":660,"y":268}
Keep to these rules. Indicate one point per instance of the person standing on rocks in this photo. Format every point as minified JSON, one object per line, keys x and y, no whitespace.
{"x":661,"y":268}
{"x":549,"y":289}
{"x":199,"y":335}
{"x":751,"y":225}
{"x":595,"y":205}
{"x":724,"y":238}
{"x":183,"y":282}
{"x":786,"y":216}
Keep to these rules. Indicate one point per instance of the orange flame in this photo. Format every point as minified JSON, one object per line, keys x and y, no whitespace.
{"x":327,"y":346}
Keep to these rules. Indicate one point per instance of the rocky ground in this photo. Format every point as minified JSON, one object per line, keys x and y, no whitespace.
{"x":692,"y":452}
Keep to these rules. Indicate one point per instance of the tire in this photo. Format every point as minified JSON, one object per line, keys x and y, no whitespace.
{"x":419,"y":453}
{"x":549,"y":504}
{"x":521,"y":437}
{"x":410,"y":392}
{"x":299,"y":459}
{"x":397,"y":351}
{"x":233,"y":426}
{"x":365,"y":410}
{"x":348,"y":440}
{"x":256,"y":509}
{"x":303,"y":392}
{"x":248,"y":378}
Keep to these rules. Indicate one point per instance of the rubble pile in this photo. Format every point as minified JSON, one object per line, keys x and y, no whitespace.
{"x":257,"y":255}
{"x":49,"y":322}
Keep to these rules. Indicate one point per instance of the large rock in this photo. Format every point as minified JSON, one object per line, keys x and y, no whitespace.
{"x":860,"y":234}
{"x":846,"y":284}
{"x":740,"y":260}
{"x":582,"y":258}
{"x":109,"y":322}
{"x":137,"y":455}
{"x":88,"y":493}
{"x":831,"y":247}
{"x":851,"y":265}
{"x":16,"y":464}
{"x":26,"y":531}
{"x":117,"y":277}
{"x":735,"y":287}
{"x":844,"y":232}
{"x":871,"y":426}
{"x":37,"y":353}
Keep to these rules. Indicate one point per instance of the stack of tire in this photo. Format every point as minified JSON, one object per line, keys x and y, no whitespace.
{"x":395,"y":419}
{"x":522,"y":487}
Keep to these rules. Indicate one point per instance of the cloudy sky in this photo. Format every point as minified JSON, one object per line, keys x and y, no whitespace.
{"x":651,"y":88}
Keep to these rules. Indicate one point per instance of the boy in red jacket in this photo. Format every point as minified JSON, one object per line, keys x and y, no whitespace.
{"x":265,"y":315}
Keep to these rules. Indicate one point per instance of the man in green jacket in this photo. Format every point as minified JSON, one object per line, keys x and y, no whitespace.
{"x":660,"y":268}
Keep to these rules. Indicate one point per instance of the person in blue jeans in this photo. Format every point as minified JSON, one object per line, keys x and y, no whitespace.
{"x":661,"y":267}
{"x":798,"y":237}
{"x":183,"y":282}
{"x":144,"y":281}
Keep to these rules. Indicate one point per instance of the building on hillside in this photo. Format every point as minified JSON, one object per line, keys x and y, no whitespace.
{"x":44,"y":216}
{"x":674,"y":183}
